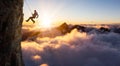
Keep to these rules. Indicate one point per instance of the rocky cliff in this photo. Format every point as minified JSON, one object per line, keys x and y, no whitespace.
{"x":11,"y":17}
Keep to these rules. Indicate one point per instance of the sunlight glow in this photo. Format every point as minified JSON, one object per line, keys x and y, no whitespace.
{"x":36,"y":57}
{"x":45,"y":21}
{"x":44,"y":65}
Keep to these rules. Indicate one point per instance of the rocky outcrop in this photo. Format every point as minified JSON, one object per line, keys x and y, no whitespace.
{"x":64,"y":28}
{"x":11,"y":17}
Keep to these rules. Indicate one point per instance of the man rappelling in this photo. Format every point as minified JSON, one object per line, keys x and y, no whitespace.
{"x":35,"y":15}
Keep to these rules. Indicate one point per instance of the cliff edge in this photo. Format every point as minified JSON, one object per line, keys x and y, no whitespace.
{"x":11,"y":17}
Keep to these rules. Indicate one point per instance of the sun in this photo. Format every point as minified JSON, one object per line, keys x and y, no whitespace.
{"x":45,"y":21}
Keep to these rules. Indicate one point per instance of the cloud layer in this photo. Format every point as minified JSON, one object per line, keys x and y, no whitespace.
{"x":73,"y":49}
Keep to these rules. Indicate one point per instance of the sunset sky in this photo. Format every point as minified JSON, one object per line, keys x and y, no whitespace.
{"x":74,"y":11}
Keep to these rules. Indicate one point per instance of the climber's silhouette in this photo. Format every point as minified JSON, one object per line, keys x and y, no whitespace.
{"x":35,"y":15}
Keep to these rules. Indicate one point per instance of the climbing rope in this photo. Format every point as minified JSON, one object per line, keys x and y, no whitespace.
{"x":28,"y":6}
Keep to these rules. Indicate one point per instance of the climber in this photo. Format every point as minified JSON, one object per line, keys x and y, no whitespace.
{"x":35,"y":15}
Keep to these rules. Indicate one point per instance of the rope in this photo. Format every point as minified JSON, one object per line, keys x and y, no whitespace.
{"x":28,"y":6}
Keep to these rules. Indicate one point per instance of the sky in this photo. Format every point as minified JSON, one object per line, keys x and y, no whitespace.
{"x":74,"y":11}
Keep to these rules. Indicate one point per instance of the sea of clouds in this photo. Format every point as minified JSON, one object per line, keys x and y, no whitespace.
{"x":73,"y":49}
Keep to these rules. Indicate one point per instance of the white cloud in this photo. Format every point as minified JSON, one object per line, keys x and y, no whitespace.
{"x":73,"y":49}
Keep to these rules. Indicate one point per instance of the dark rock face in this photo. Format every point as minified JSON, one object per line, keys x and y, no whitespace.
{"x":102,"y":29}
{"x":64,"y":28}
{"x":11,"y":17}
{"x":78,"y":27}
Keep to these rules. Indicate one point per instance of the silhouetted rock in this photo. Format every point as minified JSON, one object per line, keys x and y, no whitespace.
{"x":78,"y":27}
{"x":29,"y":35}
{"x":11,"y":17}
{"x":64,"y":28}
{"x":103,"y":29}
